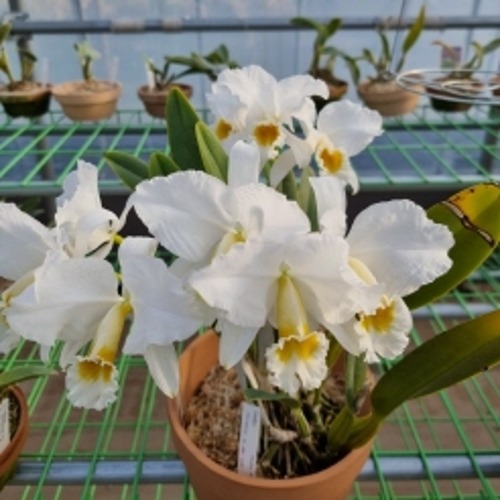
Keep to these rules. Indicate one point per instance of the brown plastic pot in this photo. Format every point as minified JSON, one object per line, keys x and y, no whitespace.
{"x":26,"y":103}
{"x":9,"y":456}
{"x":213,"y":482}
{"x":154,"y":100}
{"x":388,"y":98}
{"x":83,"y":103}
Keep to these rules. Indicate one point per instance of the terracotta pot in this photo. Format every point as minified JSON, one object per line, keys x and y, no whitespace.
{"x":26,"y":103}
{"x":82,"y":102}
{"x":154,"y":100}
{"x":388,"y":98}
{"x":450,"y":106}
{"x":9,"y":456}
{"x":495,"y":81}
{"x":213,"y":482}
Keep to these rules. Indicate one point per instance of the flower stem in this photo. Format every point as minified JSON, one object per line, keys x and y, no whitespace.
{"x":355,"y":374}
{"x":302,"y":423}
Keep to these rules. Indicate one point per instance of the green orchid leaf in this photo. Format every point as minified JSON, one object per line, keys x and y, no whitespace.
{"x":181,"y":122}
{"x":305,"y":22}
{"x":129,"y":169}
{"x":333,"y":26}
{"x":213,"y":156}
{"x":161,"y":164}
{"x":259,"y":395}
{"x":472,"y":217}
{"x":411,"y":38}
{"x":21,"y":373}
{"x":445,"y":360}
{"x":386,"y":49}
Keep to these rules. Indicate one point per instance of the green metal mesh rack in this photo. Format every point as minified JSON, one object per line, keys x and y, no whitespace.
{"x":446,"y":446}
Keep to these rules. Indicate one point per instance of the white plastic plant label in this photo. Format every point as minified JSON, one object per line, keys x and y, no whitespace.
{"x":4,"y":424}
{"x":249,"y":439}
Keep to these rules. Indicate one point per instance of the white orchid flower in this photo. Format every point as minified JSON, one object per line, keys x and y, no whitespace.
{"x":343,"y":130}
{"x":393,"y":246}
{"x":196,"y":216}
{"x":244,"y":282}
{"x":261,"y":106}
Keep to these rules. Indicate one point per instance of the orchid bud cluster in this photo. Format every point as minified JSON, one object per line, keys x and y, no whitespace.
{"x":246,"y":256}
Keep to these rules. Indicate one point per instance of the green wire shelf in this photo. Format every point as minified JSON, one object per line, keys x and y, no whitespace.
{"x":422,"y":150}
{"x":445,"y":446}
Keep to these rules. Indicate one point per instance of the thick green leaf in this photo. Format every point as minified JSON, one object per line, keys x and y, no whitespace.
{"x":333,"y":26}
{"x":129,"y":169}
{"x":472,"y":215}
{"x":5,"y":29}
{"x":213,"y":156}
{"x":21,"y":373}
{"x":181,"y":122}
{"x":445,"y":360}
{"x":259,"y":395}
{"x":161,"y":164}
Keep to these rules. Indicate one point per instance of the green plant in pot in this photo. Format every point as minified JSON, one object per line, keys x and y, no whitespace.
{"x":162,"y":80}
{"x":381,"y":91}
{"x":324,"y":56}
{"x":88,"y":99}
{"x":294,"y":306}
{"x":23,"y":97}
{"x":456,"y":89}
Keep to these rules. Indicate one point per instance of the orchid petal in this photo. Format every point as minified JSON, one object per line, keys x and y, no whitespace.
{"x":400,"y":245}
{"x":138,"y":245}
{"x":24,"y":242}
{"x":349,"y":125}
{"x":282,"y":167}
{"x":331,"y":204}
{"x":163,"y":311}
{"x":241,"y":282}
{"x":95,"y":393}
{"x":163,"y":367}
{"x":234,"y":342}
{"x":67,"y":301}
{"x":244,"y":164}
{"x":184,"y":212}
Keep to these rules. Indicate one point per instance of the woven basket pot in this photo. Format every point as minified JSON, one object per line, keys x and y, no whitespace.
{"x":213,"y":482}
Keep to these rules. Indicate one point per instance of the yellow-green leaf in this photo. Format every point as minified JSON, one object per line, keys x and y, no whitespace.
{"x":213,"y":156}
{"x":161,"y":164}
{"x":129,"y":169}
{"x":181,"y":122}
{"x":472,"y":215}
